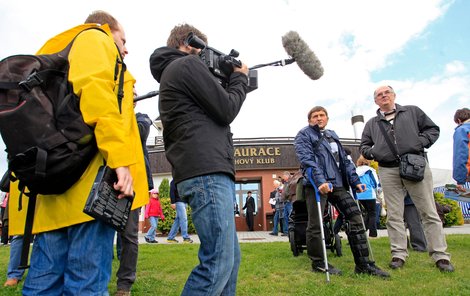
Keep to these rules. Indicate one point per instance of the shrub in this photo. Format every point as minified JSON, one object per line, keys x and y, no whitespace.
{"x":164,"y":188}
{"x":455,"y":216}
{"x":383,"y":221}
{"x":165,"y":225}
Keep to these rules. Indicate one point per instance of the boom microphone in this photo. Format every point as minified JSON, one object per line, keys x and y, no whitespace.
{"x":301,"y":53}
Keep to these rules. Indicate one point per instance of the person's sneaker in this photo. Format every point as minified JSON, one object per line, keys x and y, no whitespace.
{"x":444,"y":265}
{"x":371,"y":269}
{"x":172,"y":241}
{"x":147,"y":239}
{"x":11,"y":283}
{"x":320,"y":267}
{"x":187,"y":241}
{"x":396,"y":263}
{"x":272,"y":233}
{"x":283,"y":234}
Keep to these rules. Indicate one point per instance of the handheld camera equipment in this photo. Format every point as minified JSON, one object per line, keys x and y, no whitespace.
{"x":220,"y":64}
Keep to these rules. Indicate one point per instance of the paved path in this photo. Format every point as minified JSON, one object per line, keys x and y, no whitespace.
{"x":264,"y":237}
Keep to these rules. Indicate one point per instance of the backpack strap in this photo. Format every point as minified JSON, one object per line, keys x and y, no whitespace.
{"x":33,"y":80}
{"x":28,"y":230}
{"x":120,"y":94}
{"x":8,"y":85}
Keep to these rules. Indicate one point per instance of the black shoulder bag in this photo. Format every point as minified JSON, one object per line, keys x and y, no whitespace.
{"x":411,"y":165}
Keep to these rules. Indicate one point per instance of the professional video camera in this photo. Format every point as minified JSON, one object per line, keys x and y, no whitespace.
{"x":220,"y":64}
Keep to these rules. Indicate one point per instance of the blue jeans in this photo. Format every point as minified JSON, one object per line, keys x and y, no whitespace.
{"x":16,"y":243}
{"x":287,"y":211}
{"x":181,"y":221}
{"x":276,"y":222}
{"x":211,"y":201}
{"x":153,"y":228}
{"x":75,"y":260}
{"x":378,"y":209}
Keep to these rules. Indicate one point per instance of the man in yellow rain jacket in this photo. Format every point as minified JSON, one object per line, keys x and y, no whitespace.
{"x":72,"y":252}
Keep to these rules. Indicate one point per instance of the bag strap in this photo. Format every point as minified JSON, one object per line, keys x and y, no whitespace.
{"x":120,"y":94}
{"x":387,"y":139}
{"x":28,"y":230}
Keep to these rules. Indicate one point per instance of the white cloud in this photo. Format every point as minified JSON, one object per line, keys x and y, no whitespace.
{"x":455,"y":68}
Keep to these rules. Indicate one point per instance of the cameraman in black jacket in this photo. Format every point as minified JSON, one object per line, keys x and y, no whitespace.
{"x":196,"y":112}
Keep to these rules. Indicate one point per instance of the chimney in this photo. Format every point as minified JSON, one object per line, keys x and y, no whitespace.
{"x":357,"y":122}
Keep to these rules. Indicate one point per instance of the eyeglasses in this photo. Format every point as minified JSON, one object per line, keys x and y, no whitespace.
{"x":384,"y":93}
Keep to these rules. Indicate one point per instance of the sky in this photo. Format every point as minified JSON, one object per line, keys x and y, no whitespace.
{"x":419,"y":47}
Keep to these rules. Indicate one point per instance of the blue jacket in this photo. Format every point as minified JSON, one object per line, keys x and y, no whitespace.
{"x":369,"y":178}
{"x":321,"y":160}
{"x":461,"y":163}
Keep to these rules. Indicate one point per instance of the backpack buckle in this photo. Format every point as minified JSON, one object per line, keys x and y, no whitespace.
{"x":30,"y":82}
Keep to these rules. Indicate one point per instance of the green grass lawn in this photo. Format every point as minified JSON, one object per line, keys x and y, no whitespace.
{"x":271,"y":269}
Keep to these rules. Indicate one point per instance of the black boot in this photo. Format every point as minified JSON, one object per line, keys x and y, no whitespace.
{"x":360,"y":250}
{"x":319,"y":266}
{"x":371,"y":269}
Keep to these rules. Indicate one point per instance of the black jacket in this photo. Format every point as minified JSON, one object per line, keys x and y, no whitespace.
{"x":412,"y":129}
{"x":196,"y":112}
{"x":249,"y":205}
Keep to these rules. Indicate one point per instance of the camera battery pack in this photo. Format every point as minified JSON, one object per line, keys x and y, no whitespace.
{"x":103,"y":204}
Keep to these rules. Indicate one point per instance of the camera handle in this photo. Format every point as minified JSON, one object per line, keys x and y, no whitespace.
{"x":232,"y":60}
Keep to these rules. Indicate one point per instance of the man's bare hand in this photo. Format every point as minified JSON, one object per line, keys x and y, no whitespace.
{"x":244,"y":69}
{"x":125,"y":183}
{"x":325,"y":188}
{"x":361,"y":187}
{"x":460,"y":188}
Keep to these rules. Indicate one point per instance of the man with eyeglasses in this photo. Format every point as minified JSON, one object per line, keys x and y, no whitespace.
{"x":411,"y":131}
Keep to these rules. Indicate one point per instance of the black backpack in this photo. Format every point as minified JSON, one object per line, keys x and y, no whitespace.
{"x":48,"y":144}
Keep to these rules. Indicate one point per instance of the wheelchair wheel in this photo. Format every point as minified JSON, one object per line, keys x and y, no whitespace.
{"x":293,"y":245}
{"x":338,"y":248}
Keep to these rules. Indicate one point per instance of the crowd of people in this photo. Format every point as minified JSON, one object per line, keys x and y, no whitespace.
{"x":196,"y":111}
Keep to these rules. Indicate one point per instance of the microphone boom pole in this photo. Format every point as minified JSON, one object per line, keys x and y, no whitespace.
{"x":282,"y":63}
{"x":146,"y":96}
